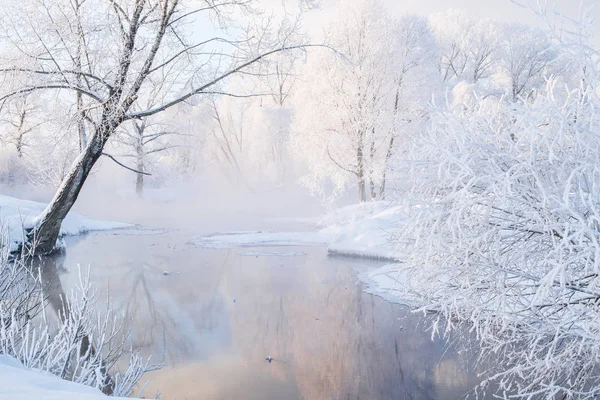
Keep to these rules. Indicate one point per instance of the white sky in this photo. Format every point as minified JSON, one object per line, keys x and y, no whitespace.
{"x":499,"y":10}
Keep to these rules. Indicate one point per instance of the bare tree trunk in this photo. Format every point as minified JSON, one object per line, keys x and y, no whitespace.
{"x":388,"y":155}
{"x":42,"y":237}
{"x":78,"y":65}
{"x":362,"y":196}
{"x":373,"y":192}
{"x":81,"y":123}
{"x":139,"y":181}
{"x":360,"y":168}
{"x":21,"y":132}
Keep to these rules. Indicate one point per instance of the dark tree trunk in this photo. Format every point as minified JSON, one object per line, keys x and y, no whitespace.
{"x":140,"y":156}
{"x":21,"y":132}
{"x":372,"y":190}
{"x":81,"y":124}
{"x":41,"y":239}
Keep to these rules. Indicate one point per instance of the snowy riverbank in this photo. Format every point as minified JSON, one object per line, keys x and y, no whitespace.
{"x":16,"y":214}
{"x":19,"y":383}
{"x":361,"y":231}
{"x":364,"y":230}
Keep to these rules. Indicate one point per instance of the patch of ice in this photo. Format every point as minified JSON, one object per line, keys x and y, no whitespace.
{"x":312,"y":221}
{"x":273,"y":253}
{"x":260,"y":239}
{"x":362,"y":230}
{"x":391,"y":282}
{"x":139,"y":231}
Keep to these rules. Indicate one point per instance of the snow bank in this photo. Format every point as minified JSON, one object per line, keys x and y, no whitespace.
{"x":364,"y":230}
{"x":393,"y":283}
{"x":16,"y":214}
{"x":18,"y":383}
{"x":361,"y":230}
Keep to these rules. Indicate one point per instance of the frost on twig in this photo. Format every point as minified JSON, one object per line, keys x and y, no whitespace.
{"x":79,"y":343}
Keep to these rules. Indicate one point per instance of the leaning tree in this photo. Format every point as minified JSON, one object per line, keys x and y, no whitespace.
{"x":106,"y":55}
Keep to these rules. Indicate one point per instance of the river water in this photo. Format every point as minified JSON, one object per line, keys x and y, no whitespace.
{"x":213,"y":317}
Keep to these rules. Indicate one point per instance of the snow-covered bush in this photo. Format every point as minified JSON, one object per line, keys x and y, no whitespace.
{"x":77,"y":343}
{"x":507,"y":235}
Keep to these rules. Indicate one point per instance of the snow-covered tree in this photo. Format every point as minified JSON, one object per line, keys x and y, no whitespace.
{"x":503,"y":230}
{"x":469,"y":46}
{"x":76,"y":342}
{"x":411,"y":57}
{"x":247,"y":141}
{"x":128,"y":47}
{"x":350,"y":105}
{"x":528,"y":58}
{"x":143,"y":141}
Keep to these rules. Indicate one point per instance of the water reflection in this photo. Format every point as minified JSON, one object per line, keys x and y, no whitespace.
{"x":50,"y":268}
{"x":216,"y":316}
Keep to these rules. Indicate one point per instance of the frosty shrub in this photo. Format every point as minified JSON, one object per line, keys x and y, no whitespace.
{"x":79,"y":343}
{"x":506,"y":234}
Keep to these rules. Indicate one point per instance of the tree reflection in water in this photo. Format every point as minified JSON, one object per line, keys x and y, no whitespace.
{"x":328,"y":339}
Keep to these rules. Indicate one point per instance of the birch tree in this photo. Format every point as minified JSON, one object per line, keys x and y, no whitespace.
{"x":20,"y":122}
{"x":143,"y":139}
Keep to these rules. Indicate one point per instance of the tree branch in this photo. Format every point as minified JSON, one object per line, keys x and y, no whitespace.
{"x":125,"y":166}
{"x":203,"y":88}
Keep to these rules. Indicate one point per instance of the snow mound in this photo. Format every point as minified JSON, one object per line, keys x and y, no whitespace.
{"x":18,"y":383}
{"x":364,"y":230}
{"x":16,"y":214}
{"x":260,"y":239}
{"x":361,"y":230}
{"x":393,"y":283}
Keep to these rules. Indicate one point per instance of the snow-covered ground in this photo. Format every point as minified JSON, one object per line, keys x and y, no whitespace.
{"x":16,"y":214}
{"x":18,"y":383}
{"x":393,"y":283}
{"x":363,"y":230}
